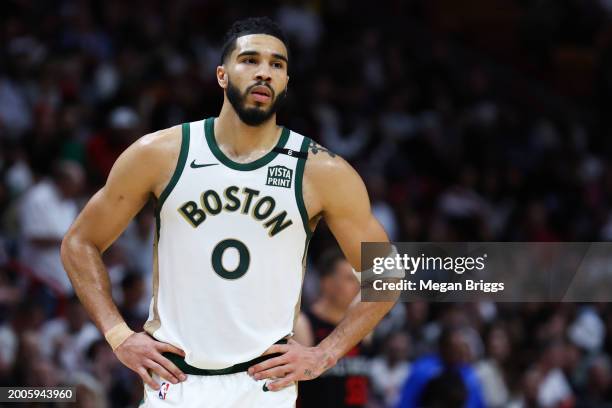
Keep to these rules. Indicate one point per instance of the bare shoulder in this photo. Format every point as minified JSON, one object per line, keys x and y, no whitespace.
{"x":165,"y":142}
{"x":324,"y":166}
{"x":150,"y":160}
{"x":330,"y":178}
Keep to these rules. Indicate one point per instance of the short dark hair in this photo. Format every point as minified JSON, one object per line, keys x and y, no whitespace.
{"x":251,"y":25}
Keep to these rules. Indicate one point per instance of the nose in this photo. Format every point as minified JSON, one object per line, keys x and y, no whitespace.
{"x":263,"y":73}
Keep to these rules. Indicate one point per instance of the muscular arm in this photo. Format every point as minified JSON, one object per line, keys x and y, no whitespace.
{"x":336,"y":192}
{"x":131,"y":181}
{"x":139,"y":171}
{"x":346,"y":209}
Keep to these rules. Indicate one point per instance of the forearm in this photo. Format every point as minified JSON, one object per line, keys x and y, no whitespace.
{"x":361,"y":318}
{"x":89,"y":277}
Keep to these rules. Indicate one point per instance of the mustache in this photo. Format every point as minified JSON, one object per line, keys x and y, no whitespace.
{"x":260,"y":84}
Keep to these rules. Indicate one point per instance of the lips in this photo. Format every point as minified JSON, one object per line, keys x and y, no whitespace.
{"x":261,"y":93}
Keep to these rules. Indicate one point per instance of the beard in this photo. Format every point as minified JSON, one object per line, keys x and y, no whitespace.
{"x":253,"y":116}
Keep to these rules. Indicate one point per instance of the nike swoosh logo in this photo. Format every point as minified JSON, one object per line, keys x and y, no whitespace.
{"x":193,"y":165}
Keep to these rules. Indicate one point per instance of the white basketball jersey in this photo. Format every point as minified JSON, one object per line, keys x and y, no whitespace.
{"x":230,"y":250}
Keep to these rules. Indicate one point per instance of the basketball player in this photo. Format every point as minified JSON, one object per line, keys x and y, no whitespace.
{"x":346,"y":384}
{"x":237,"y":200}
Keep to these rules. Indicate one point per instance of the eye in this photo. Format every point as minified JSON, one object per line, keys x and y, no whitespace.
{"x":277,"y":64}
{"x":249,"y":61}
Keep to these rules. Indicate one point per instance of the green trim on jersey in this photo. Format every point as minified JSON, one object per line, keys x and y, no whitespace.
{"x":262,"y":161}
{"x":180,"y":165}
{"x":299,"y":197}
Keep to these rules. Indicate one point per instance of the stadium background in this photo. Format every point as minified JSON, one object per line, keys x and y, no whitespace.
{"x":469,"y":120}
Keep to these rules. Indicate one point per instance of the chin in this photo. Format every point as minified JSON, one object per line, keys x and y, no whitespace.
{"x":259,"y":110}
{"x":260,"y":105}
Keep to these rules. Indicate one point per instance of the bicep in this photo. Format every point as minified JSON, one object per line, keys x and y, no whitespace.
{"x":351,"y":231}
{"x":110,"y":210}
{"x":349,"y":216}
{"x":105,"y":217}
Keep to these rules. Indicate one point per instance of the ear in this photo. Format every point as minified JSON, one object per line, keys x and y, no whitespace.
{"x":222,"y":79}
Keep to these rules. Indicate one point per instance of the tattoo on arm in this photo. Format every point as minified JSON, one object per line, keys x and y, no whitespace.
{"x":308,"y":373}
{"x":316,"y":148}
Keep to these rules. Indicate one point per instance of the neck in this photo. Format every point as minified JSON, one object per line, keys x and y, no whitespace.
{"x":327,"y":310}
{"x":239,"y":140}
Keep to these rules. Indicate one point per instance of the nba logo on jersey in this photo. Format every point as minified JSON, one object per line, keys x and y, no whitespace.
{"x":163,"y":390}
{"x":279,"y":176}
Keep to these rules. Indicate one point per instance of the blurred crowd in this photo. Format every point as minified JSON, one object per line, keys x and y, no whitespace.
{"x":457,"y":137}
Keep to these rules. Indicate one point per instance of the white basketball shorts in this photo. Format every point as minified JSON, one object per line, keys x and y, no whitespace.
{"x":218,"y":391}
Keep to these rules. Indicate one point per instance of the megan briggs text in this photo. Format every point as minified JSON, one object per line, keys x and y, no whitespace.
{"x":430,"y":285}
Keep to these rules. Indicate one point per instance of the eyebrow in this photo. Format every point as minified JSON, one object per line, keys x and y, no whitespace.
{"x":275,"y":55}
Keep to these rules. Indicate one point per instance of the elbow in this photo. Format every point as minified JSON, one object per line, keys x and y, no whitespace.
{"x":66,"y":247}
{"x":72,"y":244}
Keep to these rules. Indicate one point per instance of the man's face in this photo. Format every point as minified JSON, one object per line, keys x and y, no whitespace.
{"x":256,"y":77}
